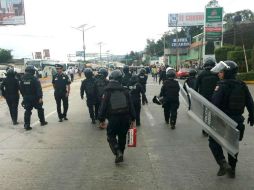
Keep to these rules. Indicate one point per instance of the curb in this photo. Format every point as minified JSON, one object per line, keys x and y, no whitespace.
{"x":249,"y":82}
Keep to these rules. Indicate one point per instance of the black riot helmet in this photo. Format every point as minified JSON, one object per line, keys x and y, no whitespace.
{"x":171,"y":74}
{"x":10,"y":73}
{"x":88,"y":72}
{"x":134,"y":79}
{"x":30,"y":69}
{"x":116,"y":75}
{"x":142,"y":71}
{"x":103,"y":72}
{"x":192,"y":73}
{"x":125,"y":69}
{"x":209,"y":63}
{"x":229,"y":68}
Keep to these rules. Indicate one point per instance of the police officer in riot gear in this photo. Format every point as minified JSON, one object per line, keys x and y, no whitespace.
{"x":10,"y":91}
{"x":101,"y":82}
{"x":170,"y":93}
{"x":231,"y":96}
{"x":30,"y":88}
{"x":118,"y":108}
{"x":135,"y":89}
{"x":191,"y":80}
{"x":206,"y":81}
{"x":61,"y":83}
{"x":162,"y":74}
{"x":142,"y":78}
{"x":88,"y":86}
{"x":126,"y":76}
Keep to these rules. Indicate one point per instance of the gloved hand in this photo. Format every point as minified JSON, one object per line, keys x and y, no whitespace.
{"x":251,"y":121}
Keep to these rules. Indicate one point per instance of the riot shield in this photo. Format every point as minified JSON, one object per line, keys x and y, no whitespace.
{"x":215,"y":122}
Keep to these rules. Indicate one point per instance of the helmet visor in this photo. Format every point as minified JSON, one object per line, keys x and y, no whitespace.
{"x":221,"y":66}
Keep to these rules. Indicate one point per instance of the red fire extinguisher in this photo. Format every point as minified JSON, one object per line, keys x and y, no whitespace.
{"x":132,"y":137}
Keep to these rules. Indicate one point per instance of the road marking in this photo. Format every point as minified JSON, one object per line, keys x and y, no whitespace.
{"x":150,"y":116}
{"x":48,"y":115}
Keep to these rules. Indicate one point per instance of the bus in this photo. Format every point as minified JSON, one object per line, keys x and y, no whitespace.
{"x":44,"y":68}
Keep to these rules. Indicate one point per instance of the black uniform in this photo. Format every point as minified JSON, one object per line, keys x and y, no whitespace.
{"x":10,"y":91}
{"x":60,"y":83}
{"x":231,"y":96}
{"x":206,"y":82}
{"x":135,"y":91}
{"x":88,"y":86}
{"x":162,"y":75}
{"x":30,"y":88}
{"x":100,"y":83}
{"x":170,"y":93}
{"x":143,"y":80}
{"x":191,"y":82}
{"x":118,"y":108}
{"x":126,"y":80}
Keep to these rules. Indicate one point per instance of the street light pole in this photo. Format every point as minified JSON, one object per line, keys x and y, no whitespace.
{"x":82,"y":29}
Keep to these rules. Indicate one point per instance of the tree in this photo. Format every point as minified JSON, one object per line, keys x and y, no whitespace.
{"x":5,"y":55}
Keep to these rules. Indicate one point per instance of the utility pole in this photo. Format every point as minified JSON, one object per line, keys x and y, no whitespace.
{"x":83,"y":29}
{"x":100,"y":44}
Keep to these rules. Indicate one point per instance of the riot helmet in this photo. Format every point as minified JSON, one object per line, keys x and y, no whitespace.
{"x":10,"y":73}
{"x":209,"y":63}
{"x":171,"y":74}
{"x":125,"y":69}
{"x":134,"y":79}
{"x":103,"y":72}
{"x":192,"y":73}
{"x":169,"y":68}
{"x":116,"y":75}
{"x":229,"y":68}
{"x":142,"y":71}
{"x":88,"y":72}
{"x":30,"y":69}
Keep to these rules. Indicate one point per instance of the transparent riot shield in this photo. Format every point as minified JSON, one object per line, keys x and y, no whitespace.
{"x":215,"y":122}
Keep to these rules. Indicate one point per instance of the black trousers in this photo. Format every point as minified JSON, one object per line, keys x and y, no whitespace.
{"x":218,"y":152}
{"x":61,"y":98}
{"x":93,"y":109}
{"x":116,"y":132}
{"x":170,"y":111}
{"x":13,"y":102}
{"x":29,"y":105}
{"x":137,"y":107}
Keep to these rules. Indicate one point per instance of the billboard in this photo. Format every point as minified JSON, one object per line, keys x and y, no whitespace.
{"x":213,"y":23}
{"x":37,"y":55}
{"x":12,"y":12}
{"x":186,"y":19}
{"x":46,"y":53}
{"x":180,"y":43}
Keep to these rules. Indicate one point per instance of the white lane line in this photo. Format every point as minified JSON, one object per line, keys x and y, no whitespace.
{"x":48,"y":115}
{"x":150,"y":116}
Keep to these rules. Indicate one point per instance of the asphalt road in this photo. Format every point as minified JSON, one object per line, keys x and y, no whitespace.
{"x":75,"y":154}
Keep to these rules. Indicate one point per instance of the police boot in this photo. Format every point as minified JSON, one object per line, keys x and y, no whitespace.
{"x":223,"y":168}
{"x":15,"y":123}
{"x":231,"y":172}
{"x":119,"y":156}
{"x":205,"y":134}
{"x":27,"y":127}
{"x":172,"y":124}
{"x":44,"y":123}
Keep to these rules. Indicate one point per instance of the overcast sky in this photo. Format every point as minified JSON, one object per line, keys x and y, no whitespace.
{"x":122,"y":25}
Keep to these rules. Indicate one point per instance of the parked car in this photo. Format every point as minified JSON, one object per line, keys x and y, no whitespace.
{"x":182,"y":73}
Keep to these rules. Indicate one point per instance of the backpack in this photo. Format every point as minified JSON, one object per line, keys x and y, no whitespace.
{"x":118,"y":102}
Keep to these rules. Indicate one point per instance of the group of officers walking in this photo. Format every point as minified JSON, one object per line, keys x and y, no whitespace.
{"x":119,"y":100}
